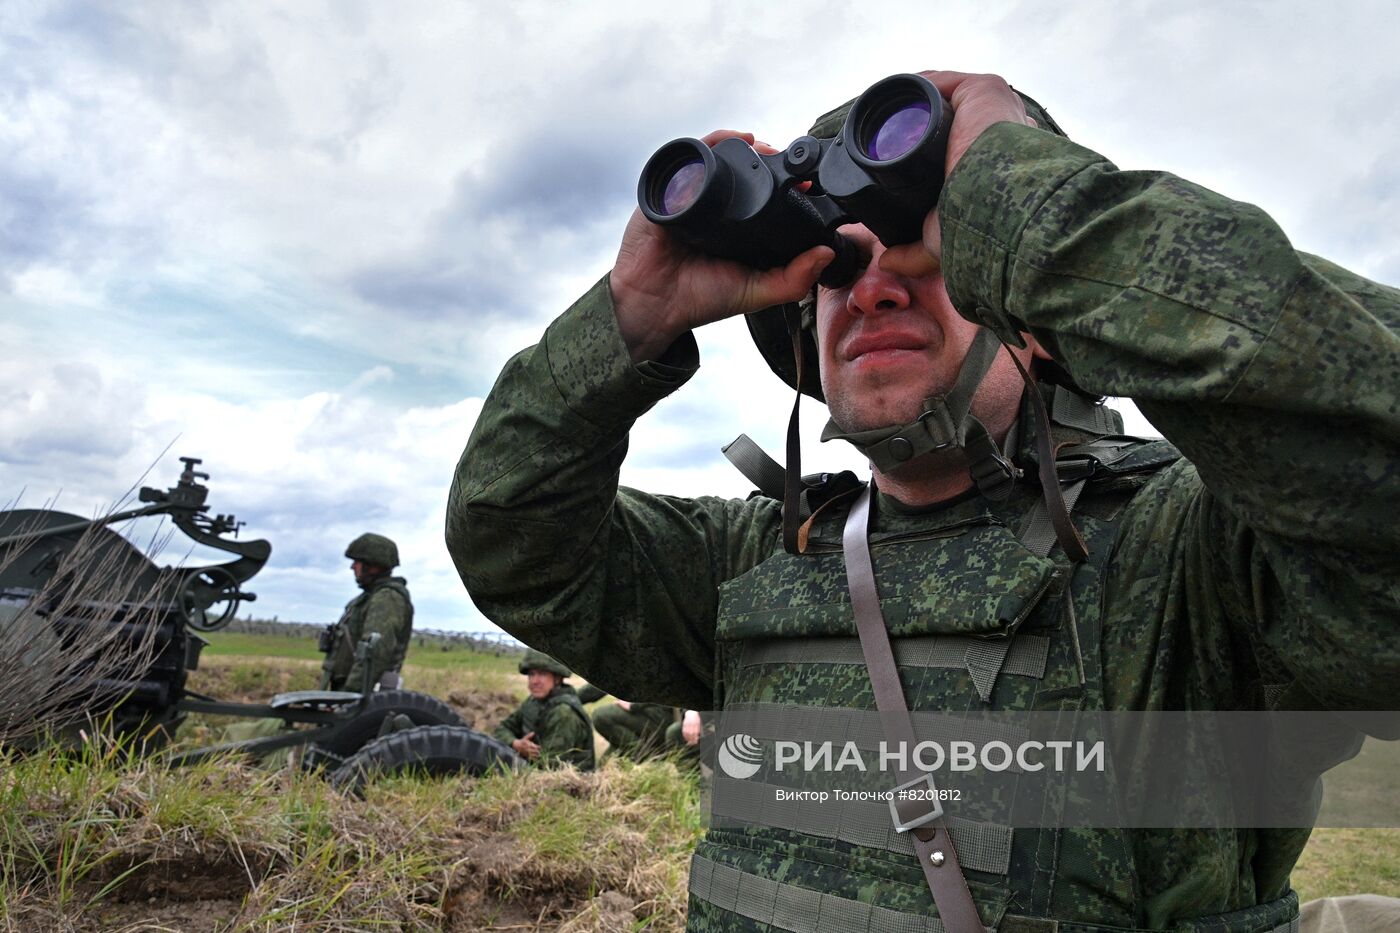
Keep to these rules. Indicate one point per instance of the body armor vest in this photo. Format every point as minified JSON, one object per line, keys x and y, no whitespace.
{"x":351,"y":628}
{"x":978,"y":621}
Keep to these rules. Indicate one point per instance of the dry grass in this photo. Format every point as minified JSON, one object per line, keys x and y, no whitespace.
{"x":87,"y":844}
{"x":86,"y":628}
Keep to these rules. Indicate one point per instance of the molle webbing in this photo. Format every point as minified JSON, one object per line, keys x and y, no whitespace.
{"x":982,"y":846}
{"x":777,"y":721}
{"x":802,"y":910}
{"x":1026,"y":655}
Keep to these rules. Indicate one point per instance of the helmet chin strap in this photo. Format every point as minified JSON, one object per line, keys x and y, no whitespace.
{"x":947,"y":422}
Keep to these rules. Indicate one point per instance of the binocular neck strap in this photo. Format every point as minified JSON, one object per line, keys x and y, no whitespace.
{"x":947,"y":422}
{"x":793,"y":540}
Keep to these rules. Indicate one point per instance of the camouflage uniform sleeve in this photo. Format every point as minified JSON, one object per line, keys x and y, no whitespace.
{"x":510,"y":728}
{"x":590,"y":694}
{"x":567,"y":739}
{"x":384,"y":615}
{"x":1276,"y":373}
{"x":618,"y":584}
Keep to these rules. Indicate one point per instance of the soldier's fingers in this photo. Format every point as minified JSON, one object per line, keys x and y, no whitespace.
{"x":791,"y":282}
{"x":947,"y":81}
{"x":710,"y":139}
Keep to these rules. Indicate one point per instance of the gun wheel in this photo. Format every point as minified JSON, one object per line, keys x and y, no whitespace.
{"x":420,"y":708}
{"x":431,"y":750}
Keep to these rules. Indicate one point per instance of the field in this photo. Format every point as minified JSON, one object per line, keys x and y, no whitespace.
{"x":89,"y":842}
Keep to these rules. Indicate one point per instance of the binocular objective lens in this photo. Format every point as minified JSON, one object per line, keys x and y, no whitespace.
{"x":683,"y":187}
{"x":900,"y":132}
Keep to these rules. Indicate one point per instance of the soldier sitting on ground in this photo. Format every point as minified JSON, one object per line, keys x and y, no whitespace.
{"x":684,"y":736}
{"x":636,"y":731}
{"x":551,"y":727}
{"x":383,"y":607}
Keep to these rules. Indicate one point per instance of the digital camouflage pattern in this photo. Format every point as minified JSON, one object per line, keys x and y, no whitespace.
{"x":1260,"y":571}
{"x":561,"y":726}
{"x":384,"y":607}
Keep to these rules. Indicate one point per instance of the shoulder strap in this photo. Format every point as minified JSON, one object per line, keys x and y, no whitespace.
{"x":758,"y":468}
{"x":923,"y":819}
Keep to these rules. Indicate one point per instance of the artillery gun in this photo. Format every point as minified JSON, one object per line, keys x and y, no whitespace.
{"x":121,"y":635}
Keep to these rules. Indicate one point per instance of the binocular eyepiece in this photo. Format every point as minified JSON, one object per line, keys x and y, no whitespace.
{"x":884,"y":170}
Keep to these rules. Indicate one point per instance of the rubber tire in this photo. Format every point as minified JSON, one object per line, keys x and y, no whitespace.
{"x":421,"y":708}
{"x":432,"y":750}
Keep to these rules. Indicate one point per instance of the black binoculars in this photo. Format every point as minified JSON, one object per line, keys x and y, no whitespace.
{"x":884,"y":170}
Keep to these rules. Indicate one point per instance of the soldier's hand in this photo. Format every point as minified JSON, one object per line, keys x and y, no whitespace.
{"x":979,"y":101}
{"x":526,"y":747}
{"x":662,"y":288}
{"x":626,"y":707}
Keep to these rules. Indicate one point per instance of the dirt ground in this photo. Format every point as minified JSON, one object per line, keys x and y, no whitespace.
{"x":230,"y":679}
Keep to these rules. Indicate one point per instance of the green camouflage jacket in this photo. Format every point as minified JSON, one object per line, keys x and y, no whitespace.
{"x":384,"y":606}
{"x":561,"y":726}
{"x":1269,"y":555}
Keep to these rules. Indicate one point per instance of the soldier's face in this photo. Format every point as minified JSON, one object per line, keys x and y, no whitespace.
{"x":364,"y":571}
{"x":887,"y":342}
{"x":541,"y":683}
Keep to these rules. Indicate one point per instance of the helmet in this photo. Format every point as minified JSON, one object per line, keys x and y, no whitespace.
{"x":768,"y":327}
{"x":374,"y":549}
{"x":539,"y":661}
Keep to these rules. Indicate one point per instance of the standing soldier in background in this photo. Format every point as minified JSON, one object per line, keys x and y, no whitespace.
{"x":383,"y":608}
{"x":551,"y":727}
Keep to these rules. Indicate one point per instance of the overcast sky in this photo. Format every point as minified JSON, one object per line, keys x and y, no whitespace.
{"x":299,"y":240}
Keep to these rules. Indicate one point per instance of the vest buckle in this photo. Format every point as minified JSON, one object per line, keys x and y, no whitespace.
{"x":915,"y":803}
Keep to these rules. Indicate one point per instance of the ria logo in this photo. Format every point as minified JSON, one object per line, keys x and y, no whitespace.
{"x":740,"y":756}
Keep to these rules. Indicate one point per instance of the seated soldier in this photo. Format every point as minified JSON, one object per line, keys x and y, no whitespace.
{"x":551,"y":727}
{"x":684,"y":737}
{"x":636,"y":731}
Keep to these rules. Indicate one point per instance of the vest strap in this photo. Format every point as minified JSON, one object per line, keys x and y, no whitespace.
{"x":938,"y":858}
{"x":758,"y":468}
{"x":1073,"y":410}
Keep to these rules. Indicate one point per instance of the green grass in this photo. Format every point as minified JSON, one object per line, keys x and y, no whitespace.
{"x":426,"y":656}
{"x":1364,"y":791}
{"x":1338,"y":862}
{"x":91,"y":840}
{"x":241,"y":644}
